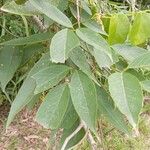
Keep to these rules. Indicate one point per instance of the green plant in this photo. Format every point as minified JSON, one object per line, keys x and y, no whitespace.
{"x":95,"y":62}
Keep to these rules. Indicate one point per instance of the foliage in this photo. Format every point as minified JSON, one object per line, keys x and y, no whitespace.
{"x":89,"y":59}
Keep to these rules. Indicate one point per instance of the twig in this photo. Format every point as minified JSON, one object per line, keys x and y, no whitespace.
{"x":133,"y":2}
{"x":39,"y":23}
{"x":7,"y":96}
{"x":8,"y":31}
{"x":72,"y":135}
{"x":92,"y":141}
{"x":90,"y":137}
{"x":128,"y":2}
{"x":26,"y":25}
{"x":78,"y":12}
{"x":4,"y":24}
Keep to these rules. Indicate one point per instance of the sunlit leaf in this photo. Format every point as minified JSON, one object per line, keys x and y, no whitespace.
{"x":140,"y":30}
{"x":118,"y":28}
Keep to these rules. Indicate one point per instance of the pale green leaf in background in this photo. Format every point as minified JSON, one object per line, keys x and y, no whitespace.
{"x":140,"y":31}
{"x":118,"y":28}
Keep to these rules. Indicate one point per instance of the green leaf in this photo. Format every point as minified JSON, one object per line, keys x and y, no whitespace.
{"x":128,"y":52}
{"x":33,"y":101}
{"x":118,"y":28}
{"x":20,"y":2}
{"x":26,"y":92}
{"x":78,"y":57}
{"x":87,"y":21}
{"x":107,"y":108}
{"x":52,"y":12}
{"x":94,"y":39}
{"x":31,"y":51}
{"x":140,"y":30}
{"x":62,"y":43}
{"x":70,"y":117}
{"x":52,"y":110}
{"x":141,"y":61}
{"x":36,"y":38}
{"x":85,"y":6}
{"x":26,"y":9}
{"x":146,"y":85}
{"x":23,"y":97}
{"x":84,"y":98}
{"x":63,"y":5}
{"x":10,"y":59}
{"x":137,"y":73}
{"x":126,"y":92}
{"x":76,"y":139}
{"x":102,"y":59}
{"x":43,"y":62}
{"x":93,"y":25}
{"x":50,"y":76}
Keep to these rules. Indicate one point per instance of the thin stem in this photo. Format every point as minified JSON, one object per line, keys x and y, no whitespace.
{"x":92,"y":141}
{"x":72,"y":135}
{"x":4,"y":24}
{"x":38,"y":23}
{"x":78,"y":12}
{"x":26,"y":25}
{"x":8,"y":31}
{"x":90,"y":137}
{"x":133,"y":2}
{"x":7,"y":96}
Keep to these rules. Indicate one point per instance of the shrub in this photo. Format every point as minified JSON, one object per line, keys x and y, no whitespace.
{"x":93,"y":61}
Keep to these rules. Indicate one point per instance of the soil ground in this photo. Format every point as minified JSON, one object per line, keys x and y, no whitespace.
{"x":25,"y":134}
